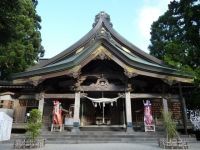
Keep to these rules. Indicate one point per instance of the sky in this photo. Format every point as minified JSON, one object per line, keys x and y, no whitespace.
{"x":65,"y":21}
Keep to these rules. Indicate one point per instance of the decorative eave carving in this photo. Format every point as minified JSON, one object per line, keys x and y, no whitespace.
{"x":130,"y":72}
{"x":32,"y":80}
{"x":102,"y":53}
{"x":80,"y":81}
{"x":75,"y":74}
{"x":77,"y":85}
{"x":170,"y":80}
{"x":39,"y":96}
{"x":75,"y":71}
{"x":102,"y":84}
{"x":102,"y":33}
{"x":35,"y":80}
{"x":102,"y":56}
{"x":129,"y":87}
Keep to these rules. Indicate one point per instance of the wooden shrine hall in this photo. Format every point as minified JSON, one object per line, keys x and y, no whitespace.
{"x":100,"y":81}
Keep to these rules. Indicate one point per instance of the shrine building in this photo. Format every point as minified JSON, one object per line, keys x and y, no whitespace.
{"x":102,"y":80}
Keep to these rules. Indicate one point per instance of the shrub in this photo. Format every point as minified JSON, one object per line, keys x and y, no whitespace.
{"x":34,"y":124}
{"x":169,"y":125}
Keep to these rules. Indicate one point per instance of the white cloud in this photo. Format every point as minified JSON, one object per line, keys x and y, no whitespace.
{"x":146,"y":18}
{"x":147,"y":14}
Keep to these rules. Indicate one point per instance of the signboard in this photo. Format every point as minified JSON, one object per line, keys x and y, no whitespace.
{"x":5,"y":126}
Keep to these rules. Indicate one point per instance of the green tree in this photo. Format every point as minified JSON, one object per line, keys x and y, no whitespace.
{"x":175,"y":37}
{"x":20,"y":39}
{"x":34,"y":124}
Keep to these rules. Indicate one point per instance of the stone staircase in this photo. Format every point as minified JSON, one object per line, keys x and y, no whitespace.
{"x":102,"y":137}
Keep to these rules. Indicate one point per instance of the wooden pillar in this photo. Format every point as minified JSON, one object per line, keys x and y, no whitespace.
{"x":82,"y":110}
{"x":128,"y":112}
{"x":165,"y":105}
{"x":183,"y":108}
{"x":76,"y":123}
{"x":164,"y":101}
{"x":41,"y":103}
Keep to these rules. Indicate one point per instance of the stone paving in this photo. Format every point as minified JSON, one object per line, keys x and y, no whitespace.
{"x":103,"y":146}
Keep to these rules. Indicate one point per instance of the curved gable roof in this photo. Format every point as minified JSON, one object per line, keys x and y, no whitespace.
{"x":101,"y":20}
{"x":102,"y":33}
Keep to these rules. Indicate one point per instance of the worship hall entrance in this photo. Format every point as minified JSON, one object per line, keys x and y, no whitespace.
{"x":102,"y":109}
{"x":97,"y":109}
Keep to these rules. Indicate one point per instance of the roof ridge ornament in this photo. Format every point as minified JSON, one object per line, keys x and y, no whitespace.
{"x":104,"y":16}
{"x":102,"y":33}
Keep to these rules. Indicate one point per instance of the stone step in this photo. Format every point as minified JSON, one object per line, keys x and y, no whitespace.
{"x":101,"y":137}
{"x":102,"y":128}
{"x":102,"y":134}
{"x":102,"y":140}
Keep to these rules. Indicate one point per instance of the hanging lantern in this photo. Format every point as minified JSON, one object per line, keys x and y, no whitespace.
{"x":103,"y":104}
{"x":112,"y":104}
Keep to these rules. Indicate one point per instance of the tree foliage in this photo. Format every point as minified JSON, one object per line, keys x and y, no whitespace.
{"x":20,"y":39}
{"x":175,"y":38}
{"x":34,"y":124}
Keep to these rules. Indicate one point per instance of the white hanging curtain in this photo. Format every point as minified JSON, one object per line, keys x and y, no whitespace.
{"x":103,"y":100}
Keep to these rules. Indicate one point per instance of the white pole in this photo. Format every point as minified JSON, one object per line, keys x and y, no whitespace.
{"x":103,"y":114}
{"x":124,"y":115}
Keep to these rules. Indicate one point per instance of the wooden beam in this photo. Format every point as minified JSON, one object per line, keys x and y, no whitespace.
{"x":56,"y":95}
{"x":151,"y":95}
{"x":133,"y":95}
{"x":110,"y":88}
